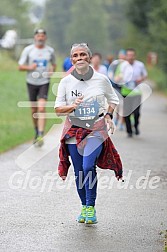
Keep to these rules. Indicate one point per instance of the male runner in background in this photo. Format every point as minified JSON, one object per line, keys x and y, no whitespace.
{"x":38,"y":60}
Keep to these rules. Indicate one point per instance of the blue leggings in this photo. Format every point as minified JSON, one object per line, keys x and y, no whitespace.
{"x":85,"y":168}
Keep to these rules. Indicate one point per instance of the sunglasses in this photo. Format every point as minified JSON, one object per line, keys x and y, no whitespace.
{"x":80,"y":44}
{"x":40,"y":31}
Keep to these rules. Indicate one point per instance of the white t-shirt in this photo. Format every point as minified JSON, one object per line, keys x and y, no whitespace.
{"x":42,"y":57}
{"x":98,"y":87}
{"x":133,"y":72}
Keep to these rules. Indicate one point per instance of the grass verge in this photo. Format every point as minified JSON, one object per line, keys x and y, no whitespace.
{"x":159,"y":78}
{"x":15,"y":123}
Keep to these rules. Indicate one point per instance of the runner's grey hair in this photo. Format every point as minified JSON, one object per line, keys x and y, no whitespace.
{"x":81,"y":45}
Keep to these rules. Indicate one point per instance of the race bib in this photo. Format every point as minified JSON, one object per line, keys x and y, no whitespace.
{"x":87,"y":110}
{"x":41,"y":62}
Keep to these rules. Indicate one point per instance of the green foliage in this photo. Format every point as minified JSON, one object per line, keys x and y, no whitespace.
{"x":158,"y":32}
{"x":117,"y":23}
{"x":138,"y":13}
{"x":19,"y":10}
{"x":91,"y":26}
{"x":108,"y":25}
{"x":159,"y":77}
{"x":134,"y":39}
{"x":149,"y":21}
{"x":75,"y":21}
{"x":56,"y":19}
{"x":16,"y":125}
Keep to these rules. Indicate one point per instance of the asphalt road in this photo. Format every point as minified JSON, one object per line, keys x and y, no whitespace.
{"x":37,"y":213}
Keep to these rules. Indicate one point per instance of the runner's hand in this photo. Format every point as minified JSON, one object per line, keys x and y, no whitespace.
{"x":78,"y":100}
{"x":110,"y":124}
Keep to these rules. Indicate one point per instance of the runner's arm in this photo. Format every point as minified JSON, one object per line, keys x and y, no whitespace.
{"x":52,"y":69}
{"x":144,"y":74}
{"x":27,"y":67}
{"x":67,"y":109}
{"x":23,"y":61}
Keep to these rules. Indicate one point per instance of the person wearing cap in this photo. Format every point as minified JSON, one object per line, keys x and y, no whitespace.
{"x":81,"y":97}
{"x":39,"y":61}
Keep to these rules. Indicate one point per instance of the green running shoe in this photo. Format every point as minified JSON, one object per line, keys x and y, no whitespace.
{"x":39,"y":141}
{"x":91,"y":215}
{"x":81,"y":218}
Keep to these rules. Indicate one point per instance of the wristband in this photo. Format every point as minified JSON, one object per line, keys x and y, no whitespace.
{"x":110,"y":114}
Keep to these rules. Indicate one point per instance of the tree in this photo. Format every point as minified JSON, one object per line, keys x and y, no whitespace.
{"x":149,"y":19}
{"x":19,"y":10}
{"x":158,"y":31}
{"x":138,"y":13}
{"x":88,"y":24}
{"x":117,"y":22}
{"x":57,"y":17}
{"x":70,"y":21}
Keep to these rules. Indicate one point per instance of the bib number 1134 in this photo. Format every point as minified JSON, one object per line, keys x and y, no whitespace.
{"x":87,"y":110}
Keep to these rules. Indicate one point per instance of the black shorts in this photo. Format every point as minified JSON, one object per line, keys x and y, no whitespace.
{"x":36,"y":92}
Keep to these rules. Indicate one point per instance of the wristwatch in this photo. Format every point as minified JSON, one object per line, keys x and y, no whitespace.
{"x":110,"y":114}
